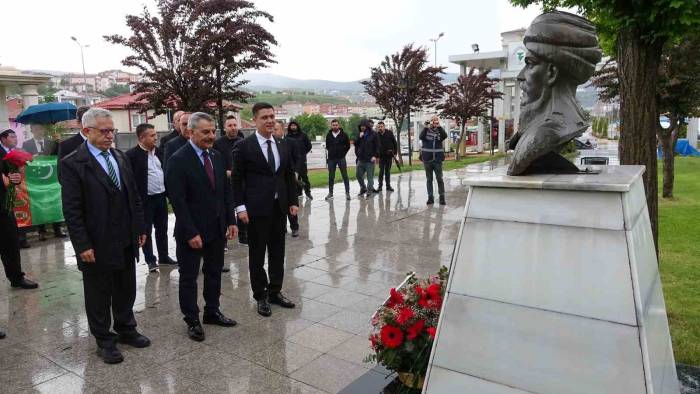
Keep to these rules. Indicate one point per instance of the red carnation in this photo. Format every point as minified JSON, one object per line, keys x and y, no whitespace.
{"x":415,"y":329}
{"x":434,"y":290}
{"x":395,"y":298}
{"x":431,"y":299}
{"x":18,"y":158}
{"x":431,"y":331}
{"x":405,"y":314}
{"x":392,"y":337}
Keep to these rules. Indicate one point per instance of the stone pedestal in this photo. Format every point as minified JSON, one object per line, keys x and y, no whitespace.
{"x":554,"y":288}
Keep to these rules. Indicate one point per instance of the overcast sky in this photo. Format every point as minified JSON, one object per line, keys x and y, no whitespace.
{"x":318,"y":39}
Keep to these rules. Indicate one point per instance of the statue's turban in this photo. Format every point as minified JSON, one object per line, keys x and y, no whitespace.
{"x":566,"y":40}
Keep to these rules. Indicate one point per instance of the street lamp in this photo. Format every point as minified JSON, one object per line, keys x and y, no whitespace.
{"x":435,"y":41}
{"x":82,"y":59}
{"x":475,"y":48}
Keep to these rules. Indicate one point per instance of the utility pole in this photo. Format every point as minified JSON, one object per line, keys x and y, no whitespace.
{"x":82,"y":59}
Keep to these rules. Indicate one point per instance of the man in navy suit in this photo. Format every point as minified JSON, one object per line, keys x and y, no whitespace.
{"x":264,"y":191}
{"x":201,"y":199}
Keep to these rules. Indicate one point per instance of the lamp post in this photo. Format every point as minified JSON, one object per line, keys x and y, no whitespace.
{"x":435,"y":41}
{"x":82,"y":60}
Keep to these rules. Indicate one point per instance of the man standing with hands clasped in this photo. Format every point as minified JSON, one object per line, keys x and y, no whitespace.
{"x":264,"y":190}
{"x":104,"y":216}
{"x":201,"y":199}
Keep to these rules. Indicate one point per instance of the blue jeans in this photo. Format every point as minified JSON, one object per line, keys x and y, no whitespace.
{"x":365,"y":167}
{"x":332,"y":164}
{"x":430,"y":168}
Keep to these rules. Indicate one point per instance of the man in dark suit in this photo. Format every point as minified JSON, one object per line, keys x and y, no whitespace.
{"x":178,"y":142}
{"x":145,"y":159}
{"x":39,"y":145}
{"x":225,"y":145}
{"x":201,"y":199}
{"x":8,"y":143}
{"x":104,"y":215}
{"x":264,"y":190}
{"x":66,"y":147}
{"x":9,"y":234}
{"x":174,"y":133}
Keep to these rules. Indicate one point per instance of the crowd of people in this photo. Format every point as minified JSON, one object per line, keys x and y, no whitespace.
{"x":220,"y":189}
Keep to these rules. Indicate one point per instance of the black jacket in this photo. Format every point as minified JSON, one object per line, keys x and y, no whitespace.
{"x":171,"y":147}
{"x":367,"y":146}
{"x":88,"y":208}
{"x":66,"y":147}
{"x":387,"y":144}
{"x":299,"y":144}
{"x":225,"y":146}
{"x":138,"y":158}
{"x":337,"y":147}
{"x":166,"y":138}
{"x":431,"y":144}
{"x":50,"y":147}
{"x":199,"y":210}
{"x":254,"y":183}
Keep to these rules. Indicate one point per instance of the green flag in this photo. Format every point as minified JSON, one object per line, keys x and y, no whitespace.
{"x":43,"y":191}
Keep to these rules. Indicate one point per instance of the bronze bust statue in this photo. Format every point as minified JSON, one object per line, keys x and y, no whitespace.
{"x":562,"y":52}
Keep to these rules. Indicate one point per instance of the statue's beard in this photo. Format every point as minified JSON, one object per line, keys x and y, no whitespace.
{"x":559,"y":98}
{"x":535,"y":109}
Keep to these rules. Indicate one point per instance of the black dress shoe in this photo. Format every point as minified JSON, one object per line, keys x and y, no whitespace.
{"x":430,"y":201}
{"x":167,"y":261}
{"x":195,"y":331}
{"x":379,"y":189}
{"x":243,"y":238}
{"x":226,"y":268}
{"x":2,"y":334}
{"x":219,"y":319}
{"x":23,"y":244}
{"x":135,"y":340}
{"x":264,"y":307}
{"x":25,"y":283}
{"x":110,"y":355}
{"x":442,"y":200}
{"x":389,"y":189}
{"x":281,"y":300}
{"x":362,"y":192}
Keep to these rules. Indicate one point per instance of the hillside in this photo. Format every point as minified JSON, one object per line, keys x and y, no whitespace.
{"x":279,"y":99}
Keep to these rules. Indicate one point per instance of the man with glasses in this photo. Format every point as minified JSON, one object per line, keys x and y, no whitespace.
{"x":105,"y":220}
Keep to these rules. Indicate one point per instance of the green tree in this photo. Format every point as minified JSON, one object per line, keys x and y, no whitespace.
{"x":635,"y":32}
{"x":312,"y":124}
{"x":247,"y":113}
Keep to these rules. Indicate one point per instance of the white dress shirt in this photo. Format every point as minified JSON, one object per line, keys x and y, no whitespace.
{"x":155,"y":183}
{"x":262,"y":141}
{"x":39,"y":145}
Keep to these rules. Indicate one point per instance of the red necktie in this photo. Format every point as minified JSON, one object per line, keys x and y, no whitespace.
{"x":209,"y":169}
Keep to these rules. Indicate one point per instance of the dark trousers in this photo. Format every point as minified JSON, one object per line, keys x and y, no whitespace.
{"x":304,"y":175}
{"x":156,"y":215}
{"x":9,"y":247}
{"x":430,"y":168}
{"x":385,"y":171}
{"x":266,"y":234}
{"x":343,"y":165}
{"x":293,"y":221}
{"x":213,"y":255}
{"x":111,"y":294}
{"x":42,"y":228}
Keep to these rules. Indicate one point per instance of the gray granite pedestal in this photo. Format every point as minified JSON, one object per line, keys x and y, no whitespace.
{"x":554,"y":288}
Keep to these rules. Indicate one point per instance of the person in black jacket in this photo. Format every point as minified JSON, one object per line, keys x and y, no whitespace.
{"x":337,"y":147}
{"x":432,"y":155}
{"x":264,"y":190}
{"x":301,"y":146}
{"x":201,"y":197}
{"x":146,"y":159}
{"x":367,"y":152}
{"x":178,"y":142}
{"x":68,"y":146}
{"x":387,"y":150}
{"x":103,"y":211}
{"x":174,"y":133}
{"x":225,"y":145}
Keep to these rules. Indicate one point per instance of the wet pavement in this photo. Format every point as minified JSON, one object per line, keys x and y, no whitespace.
{"x":349,"y":254}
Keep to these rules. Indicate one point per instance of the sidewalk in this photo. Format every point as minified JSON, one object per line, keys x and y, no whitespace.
{"x":349,"y":254}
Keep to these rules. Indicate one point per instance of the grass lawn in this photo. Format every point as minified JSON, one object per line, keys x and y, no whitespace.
{"x":320,"y":177}
{"x":679,"y":240}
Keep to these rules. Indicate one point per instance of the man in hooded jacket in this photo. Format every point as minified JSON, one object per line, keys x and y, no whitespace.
{"x":367,"y":152}
{"x":301,"y":146}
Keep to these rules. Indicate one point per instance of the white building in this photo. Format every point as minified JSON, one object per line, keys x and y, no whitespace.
{"x":505,"y":64}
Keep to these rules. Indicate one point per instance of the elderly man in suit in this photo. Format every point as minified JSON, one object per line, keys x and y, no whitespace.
{"x":177,"y":142}
{"x":146,"y":159}
{"x":39,"y":145}
{"x":103,"y":211}
{"x":264,"y":191}
{"x":201,"y":199}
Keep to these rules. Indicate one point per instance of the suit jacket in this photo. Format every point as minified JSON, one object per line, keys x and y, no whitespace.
{"x":199,"y":210}
{"x":254,"y":183}
{"x":50,"y":147}
{"x":171,"y":147}
{"x":66,"y":147}
{"x":88,"y":208}
{"x":138,"y":158}
{"x":166,"y":138}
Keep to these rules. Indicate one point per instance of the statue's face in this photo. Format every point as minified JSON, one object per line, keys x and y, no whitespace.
{"x":535,"y":78}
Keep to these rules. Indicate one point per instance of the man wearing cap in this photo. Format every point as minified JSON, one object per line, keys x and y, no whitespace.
{"x":562,"y":52}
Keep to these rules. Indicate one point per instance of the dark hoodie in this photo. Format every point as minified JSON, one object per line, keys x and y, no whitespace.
{"x":299,"y":143}
{"x":367,"y":146}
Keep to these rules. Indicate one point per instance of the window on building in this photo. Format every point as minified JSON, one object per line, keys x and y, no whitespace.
{"x":137,"y":119}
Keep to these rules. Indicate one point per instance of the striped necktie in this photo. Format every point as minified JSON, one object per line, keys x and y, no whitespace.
{"x":110,"y":169}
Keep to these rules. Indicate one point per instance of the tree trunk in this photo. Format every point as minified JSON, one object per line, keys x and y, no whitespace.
{"x":398,"y":138}
{"x":638,"y":75}
{"x":668,"y":138}
{"x":461,"y":142}
{"x":220,"y":101}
